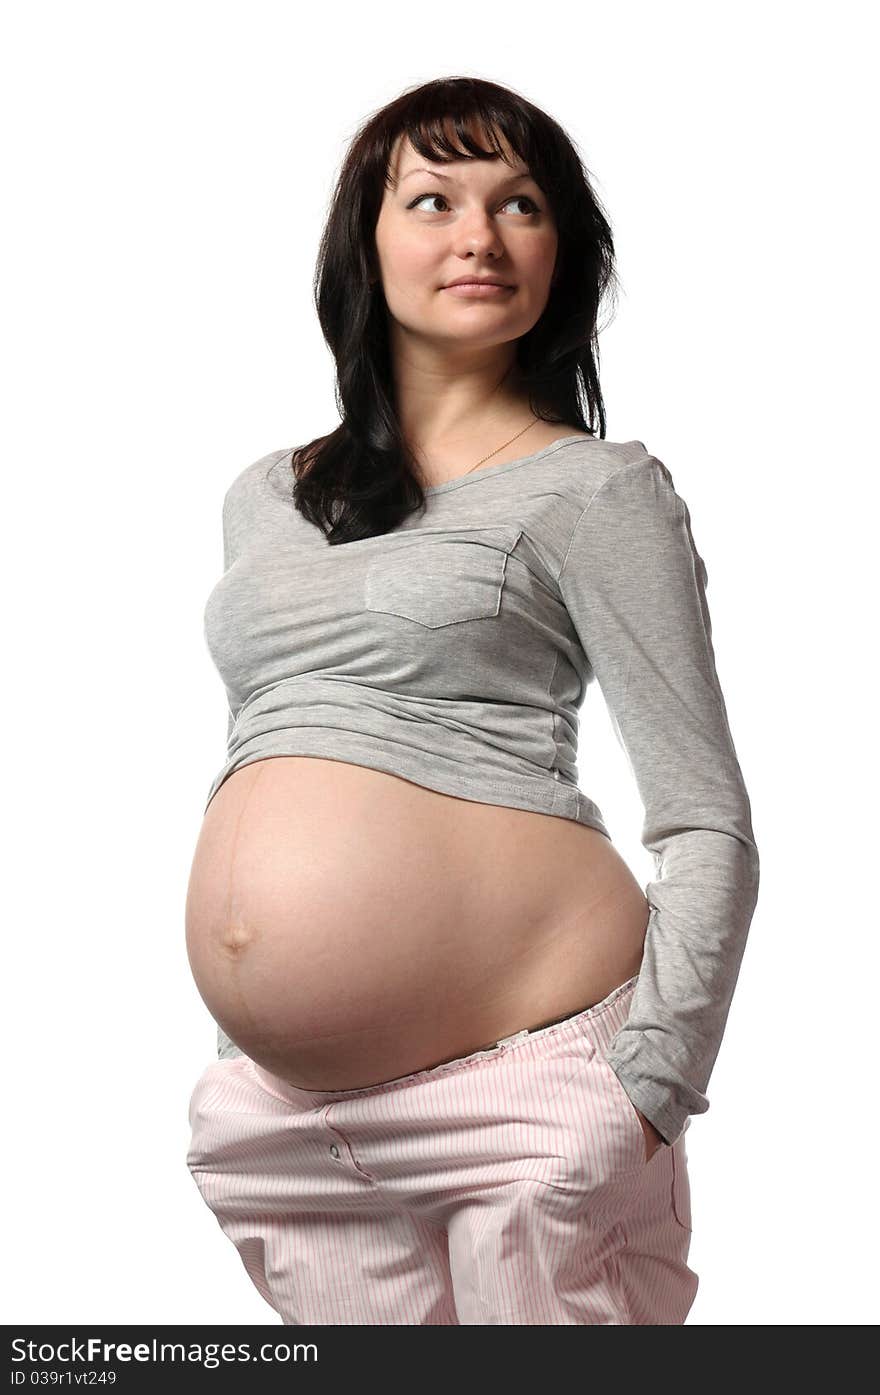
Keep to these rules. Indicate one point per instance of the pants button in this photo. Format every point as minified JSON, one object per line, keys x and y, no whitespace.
{"x":334,"y":1150}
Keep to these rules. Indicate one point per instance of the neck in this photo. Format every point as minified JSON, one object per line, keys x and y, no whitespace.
{"x":463,"y":416}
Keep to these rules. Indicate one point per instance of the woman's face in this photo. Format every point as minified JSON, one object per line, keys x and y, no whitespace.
{"x":471,"y":218}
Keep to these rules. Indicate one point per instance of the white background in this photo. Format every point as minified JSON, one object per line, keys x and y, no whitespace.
{"x":168,"y":169}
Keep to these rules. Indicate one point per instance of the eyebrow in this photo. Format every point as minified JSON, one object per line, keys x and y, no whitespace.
{"x":434,"y":174}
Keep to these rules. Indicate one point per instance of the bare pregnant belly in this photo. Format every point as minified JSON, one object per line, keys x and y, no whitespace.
{"x":346,"y":927}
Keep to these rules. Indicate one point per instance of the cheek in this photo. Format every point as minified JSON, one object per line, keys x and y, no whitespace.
{"x":537,"y":262}
{"x":411,"y":282}
{"x":404,"y":259}
{"x":410,"y":273}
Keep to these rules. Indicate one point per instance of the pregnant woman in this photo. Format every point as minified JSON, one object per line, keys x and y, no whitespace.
{"x":458,"y":1046}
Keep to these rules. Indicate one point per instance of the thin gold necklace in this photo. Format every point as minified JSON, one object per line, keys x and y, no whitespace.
{"x":496,"y":451}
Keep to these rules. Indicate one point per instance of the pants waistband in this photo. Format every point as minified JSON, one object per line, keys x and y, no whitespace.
{"x":601,"y":1022}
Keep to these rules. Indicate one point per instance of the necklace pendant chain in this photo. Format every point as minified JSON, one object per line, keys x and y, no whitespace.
{"x":504,"y":447}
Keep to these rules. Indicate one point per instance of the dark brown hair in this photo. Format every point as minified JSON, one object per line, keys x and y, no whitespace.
{"x":358,"y":481}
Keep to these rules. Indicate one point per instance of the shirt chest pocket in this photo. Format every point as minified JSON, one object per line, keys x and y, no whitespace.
{"x":437,"y":577}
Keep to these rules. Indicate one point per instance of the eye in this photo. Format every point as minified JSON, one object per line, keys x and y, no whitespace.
{"x":524,"y":198}
{"x":515,"y":198}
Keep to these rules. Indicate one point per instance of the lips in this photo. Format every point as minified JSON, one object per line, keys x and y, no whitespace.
{"x":478,"y":290}
{"x":478,"y":281}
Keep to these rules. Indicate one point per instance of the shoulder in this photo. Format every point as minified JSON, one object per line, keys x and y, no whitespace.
{"x":626,"y":503}
{"x":254,"y":475}
{"x":593,"y":467}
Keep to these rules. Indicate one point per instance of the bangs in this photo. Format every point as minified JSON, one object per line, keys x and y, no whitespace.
{"x":444,"y":125}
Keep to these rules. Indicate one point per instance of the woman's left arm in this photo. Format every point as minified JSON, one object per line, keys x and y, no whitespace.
{"x":634,"y":586}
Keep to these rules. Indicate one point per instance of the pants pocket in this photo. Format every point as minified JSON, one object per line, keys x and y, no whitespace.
{"x":681,"y":1187}
{"x":625,"y":1110}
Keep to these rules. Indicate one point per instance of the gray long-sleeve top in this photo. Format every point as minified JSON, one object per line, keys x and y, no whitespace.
{"x":456,"y":650}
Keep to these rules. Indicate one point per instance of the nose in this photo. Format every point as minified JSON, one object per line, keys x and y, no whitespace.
{"x":477,"y":235}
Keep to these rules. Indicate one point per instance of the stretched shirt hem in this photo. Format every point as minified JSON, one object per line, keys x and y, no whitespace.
{"x":544,"y":795}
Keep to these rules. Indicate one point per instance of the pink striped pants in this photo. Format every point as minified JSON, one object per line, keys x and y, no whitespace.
{"x":505,"y":1187}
